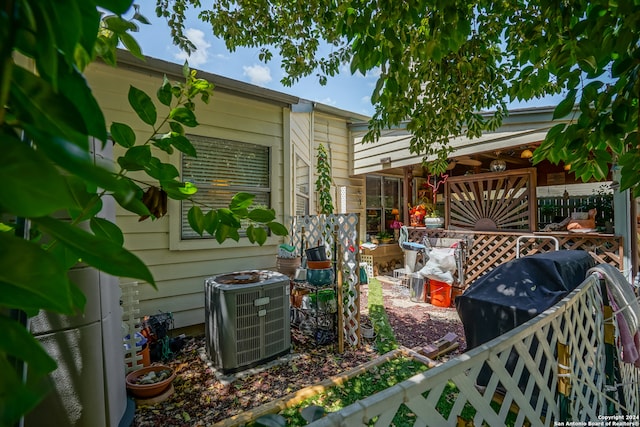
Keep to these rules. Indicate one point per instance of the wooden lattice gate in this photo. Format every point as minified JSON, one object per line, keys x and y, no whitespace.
{"x":486,"y":250}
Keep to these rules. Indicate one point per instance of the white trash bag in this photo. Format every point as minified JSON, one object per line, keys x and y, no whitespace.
{"x":441,"y":265}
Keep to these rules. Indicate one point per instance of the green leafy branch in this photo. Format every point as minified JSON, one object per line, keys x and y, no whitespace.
{"x":323,"y":181}
{"x":53,"y":182}
{"x":222,"y":223}
{"x":442,"y":65}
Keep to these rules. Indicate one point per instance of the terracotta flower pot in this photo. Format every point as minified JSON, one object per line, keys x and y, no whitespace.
{"x":316,"y":265}
{"x":135,"y":381}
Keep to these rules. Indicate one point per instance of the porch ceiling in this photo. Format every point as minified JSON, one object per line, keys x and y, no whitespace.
{"x":520,"y":130}
{"x":392,"y":152}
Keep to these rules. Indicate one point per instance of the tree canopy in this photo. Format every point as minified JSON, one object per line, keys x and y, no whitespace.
{"x":442,"y":63}
{"x":52,"y":186}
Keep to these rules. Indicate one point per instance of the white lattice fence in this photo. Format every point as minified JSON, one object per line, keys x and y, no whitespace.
{"x":339,"y":235}
{"x":368,"y":260}
{"x":630,"y":380}
{"x":519,"y":378}
{"x":486,"y":249}
{"x":130,"y":318}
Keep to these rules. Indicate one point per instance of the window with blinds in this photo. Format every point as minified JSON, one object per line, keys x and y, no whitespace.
{"x":302,"y":171}
{"x":222,"y":169}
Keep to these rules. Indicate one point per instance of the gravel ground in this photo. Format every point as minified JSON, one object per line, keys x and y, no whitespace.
{"x":416,"y":324}
{"x":202,"y":398}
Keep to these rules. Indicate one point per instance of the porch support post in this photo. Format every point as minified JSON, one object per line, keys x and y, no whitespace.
{"x":622,"y":224}
{"x":407,"y":191}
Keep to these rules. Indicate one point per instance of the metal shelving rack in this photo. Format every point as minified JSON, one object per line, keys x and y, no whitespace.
{"x":319,"y":319}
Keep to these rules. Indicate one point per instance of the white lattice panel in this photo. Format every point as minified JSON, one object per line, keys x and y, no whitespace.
{"x":339,"y":235}
{"x":368,"y":260}
{"x":524,"y":363}
{"x":131,"y":321}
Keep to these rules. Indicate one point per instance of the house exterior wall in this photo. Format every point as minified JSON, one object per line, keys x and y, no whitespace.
{"x":301,"y":154}
{"x":333,"y":132}
{"x":180,"y":267}
{"x":348,"y":191}
{"x":238,"y":112}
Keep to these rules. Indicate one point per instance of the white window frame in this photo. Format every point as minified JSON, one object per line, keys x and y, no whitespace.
{"x":306,"y":196}
{"x":176,"y":239}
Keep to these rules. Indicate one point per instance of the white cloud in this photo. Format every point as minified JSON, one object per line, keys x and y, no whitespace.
{"x":374,"y":73}
{"x":328,"y":101}
{"x":201,"y":54}
{"x":258,"y":74}
{"x":366,"y":99}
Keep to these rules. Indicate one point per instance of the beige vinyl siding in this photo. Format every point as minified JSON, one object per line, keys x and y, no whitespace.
{"x":301,"y":131}
{"x":180,"y":267}
{"x":334,"y":133}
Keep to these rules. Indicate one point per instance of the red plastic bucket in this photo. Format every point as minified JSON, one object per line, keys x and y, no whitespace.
{"x":440,"y":293}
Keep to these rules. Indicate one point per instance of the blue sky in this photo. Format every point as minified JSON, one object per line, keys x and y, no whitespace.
{"x":346,"y":91}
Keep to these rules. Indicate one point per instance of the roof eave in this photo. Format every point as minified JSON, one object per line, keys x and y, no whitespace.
{"x":223,"y":84}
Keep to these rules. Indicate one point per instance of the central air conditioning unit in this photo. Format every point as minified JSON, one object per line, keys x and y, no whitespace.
{"x":247,"y":320}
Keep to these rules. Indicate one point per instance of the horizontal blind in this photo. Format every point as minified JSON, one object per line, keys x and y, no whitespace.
{"x":302,"y":205}
{"x":230,"y":164}
{"x":221,"y":169}
{"x":302,"y":171}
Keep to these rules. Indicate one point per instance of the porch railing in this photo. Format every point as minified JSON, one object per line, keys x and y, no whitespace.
{"x":552,"y":369}
{"x":486,"y":249}
{"x":550,"y":209}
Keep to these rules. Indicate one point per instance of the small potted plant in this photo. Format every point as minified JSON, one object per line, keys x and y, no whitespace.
{"x":366,"y":328}
{"x":385,"y":237}
{"x":434,"y":220}
{"x":420,"y":212}
{"x":150,"y":381}
{"x":417,"y":214}
{"x":287,"y":260}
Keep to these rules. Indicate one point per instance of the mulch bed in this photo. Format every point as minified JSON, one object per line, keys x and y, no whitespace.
{"x":202,"y":399}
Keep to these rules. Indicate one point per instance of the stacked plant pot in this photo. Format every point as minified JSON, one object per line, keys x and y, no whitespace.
{"x":319,"y":269}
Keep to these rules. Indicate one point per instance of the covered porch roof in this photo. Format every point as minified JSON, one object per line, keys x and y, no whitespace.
{"x":390,"y":154}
